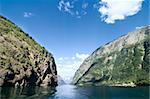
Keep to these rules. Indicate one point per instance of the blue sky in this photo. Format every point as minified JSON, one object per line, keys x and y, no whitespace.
{"x":73,"y":29}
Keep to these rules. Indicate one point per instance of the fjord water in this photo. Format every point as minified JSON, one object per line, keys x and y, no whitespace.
{"x":74,"y":92}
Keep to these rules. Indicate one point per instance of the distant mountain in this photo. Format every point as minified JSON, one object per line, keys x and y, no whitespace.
{"x":23,"y":62}
{"x":122,"y":62}
{"x":60,"y":80}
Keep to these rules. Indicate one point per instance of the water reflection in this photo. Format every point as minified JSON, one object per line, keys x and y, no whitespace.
{"x":74,"y":92}
{"x":68,"y":92}
{"x":26,"y":92}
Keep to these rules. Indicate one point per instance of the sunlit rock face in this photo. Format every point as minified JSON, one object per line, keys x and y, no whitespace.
{"x":122,"y":62}
{"x":23,"y":62}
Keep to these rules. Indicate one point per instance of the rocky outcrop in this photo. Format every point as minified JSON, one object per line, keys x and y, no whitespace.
{"x":124,"y":61}
{"x":23,"y":62}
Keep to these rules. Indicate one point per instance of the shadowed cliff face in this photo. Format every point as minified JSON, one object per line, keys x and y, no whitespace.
{"x":23,"y":62}
{"x":122,"y":62}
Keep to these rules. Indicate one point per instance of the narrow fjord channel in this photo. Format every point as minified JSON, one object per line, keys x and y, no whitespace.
{"x":75,"y":92}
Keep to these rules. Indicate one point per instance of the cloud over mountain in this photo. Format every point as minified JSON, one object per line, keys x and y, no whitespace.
{"x":68,"y":65}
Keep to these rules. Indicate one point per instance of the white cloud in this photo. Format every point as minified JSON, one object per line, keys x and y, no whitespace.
{"x":85,"y":5}
{"x":139,"y":27}
{"x":65,"y":6}
{"x":112,"y":10}
{"x":81,"y":56}
{"x":96,"y":5}
{"x":67,"y":66}
{"x":73,"y":58}
{"x":27,"y":14}
{"x":66,"y":58}
{"x":61,"y":58}
{"x":73,"y":8}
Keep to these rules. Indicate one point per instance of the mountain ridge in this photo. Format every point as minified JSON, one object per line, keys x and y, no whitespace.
{"x":130,"y":38}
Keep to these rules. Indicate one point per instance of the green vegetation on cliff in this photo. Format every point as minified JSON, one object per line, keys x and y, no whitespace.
{"x":123,"y":64}
{"x":22,"y":60}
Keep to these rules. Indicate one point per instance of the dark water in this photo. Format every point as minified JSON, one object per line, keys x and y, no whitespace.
{"x":74,"y":92}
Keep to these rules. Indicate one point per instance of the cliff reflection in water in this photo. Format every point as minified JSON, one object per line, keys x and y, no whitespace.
{"x":75,"y":92}
{"x":26,"y":92}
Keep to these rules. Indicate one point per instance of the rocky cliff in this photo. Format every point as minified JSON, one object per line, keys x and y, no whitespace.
{"x":23,"y":62}
{"x":122,"y":62}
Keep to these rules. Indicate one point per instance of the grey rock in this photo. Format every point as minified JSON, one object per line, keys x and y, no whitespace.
{"x":120,"y":62}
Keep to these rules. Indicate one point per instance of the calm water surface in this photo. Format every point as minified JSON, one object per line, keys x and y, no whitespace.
{"x":74,"y":92}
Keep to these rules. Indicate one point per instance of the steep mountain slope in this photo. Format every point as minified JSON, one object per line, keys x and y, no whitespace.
{"x":23,"y":62}
{"x":122,"y":62}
